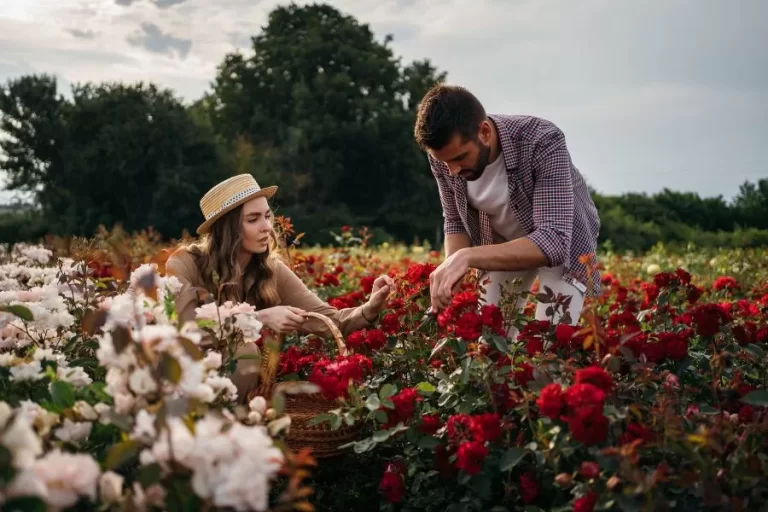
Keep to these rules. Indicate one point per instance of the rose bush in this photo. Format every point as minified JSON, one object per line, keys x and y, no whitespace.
{"x":655,"y":401}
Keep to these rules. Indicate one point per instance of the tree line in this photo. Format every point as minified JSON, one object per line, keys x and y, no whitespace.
{"x":317,"y":106}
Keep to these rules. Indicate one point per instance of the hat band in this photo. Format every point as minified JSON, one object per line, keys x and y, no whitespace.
{"x":232,"y":200}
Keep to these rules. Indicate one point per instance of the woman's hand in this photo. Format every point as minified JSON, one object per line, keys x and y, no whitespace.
{"x":382,"y":287}
{"x":282,"y":318}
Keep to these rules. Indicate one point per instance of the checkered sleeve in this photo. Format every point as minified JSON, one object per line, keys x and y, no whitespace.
{"x":553,"y":202}
{"x":451,"y":220}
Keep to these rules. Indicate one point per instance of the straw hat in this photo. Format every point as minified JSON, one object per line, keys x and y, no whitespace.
{"x":230,"y":194}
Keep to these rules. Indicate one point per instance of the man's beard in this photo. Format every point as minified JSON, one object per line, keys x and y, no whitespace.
{"x":483,"y":159}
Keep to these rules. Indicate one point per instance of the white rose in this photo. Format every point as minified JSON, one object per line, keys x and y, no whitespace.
{"x":141,"y":382}
{"x":110,"y":487}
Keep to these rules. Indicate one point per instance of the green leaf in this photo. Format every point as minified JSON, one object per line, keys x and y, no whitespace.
{"x":364,"y":445}
{"x":120,"y":454}
{"x":755,"y":351}
{"x":439,"y":347}
{"x":758,"y":397}
{"x":425,"y":388}
{"x":278,"y":403}
{"x":707,"y":409}
{"x":170,"y":368}
{"x":499,"y":343}
{"x":25,"y":504}
{"x":448,"y":400}
{"x":381,"y":416}
{"x":428,"y":442}
{"x":387,"y":390}
{"x":149,"y":475}
{"x":321,"y":418}
{"x":511,"y":457}
{"x":62,"y":394}
{"x":373,"y":403}
{"x":381,"y":435}
{"x":20,"y":311}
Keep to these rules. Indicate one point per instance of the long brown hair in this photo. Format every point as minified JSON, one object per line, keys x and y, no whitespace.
{"x":216,"y":255}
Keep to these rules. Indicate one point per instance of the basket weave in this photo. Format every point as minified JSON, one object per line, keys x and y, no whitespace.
{"x":321,"y":439}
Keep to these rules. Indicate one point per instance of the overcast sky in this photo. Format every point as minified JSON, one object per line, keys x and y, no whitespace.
{"x":650,"y":94}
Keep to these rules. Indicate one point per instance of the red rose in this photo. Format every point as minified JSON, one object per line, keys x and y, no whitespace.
{"x":375,"y":339}
{"x":490,"y":316}
{"x":470,"y":457}
{"x":390,"y":323}
{"x":708,"y":318}
{"x":430,"y":423}
{"x":392,"y":487}
{"x":469,"y":326}
{"x":529,"y":487}
{"x":523,"y":374}
{"x":564,"y":334}
{"x":675,"y":345}
{"x":366,"y":282}
{"x":586,"y":503}
{"x":461,"y":428}
{"x":355,"y":340}
{"x":405,"y":403}
{"x":589,"y":430}
{"x":550,"y":401}
{"x":490,"y":425}
{"x":590,"y":469}
{"x":584,"y":401}
{"x":596,"y":376}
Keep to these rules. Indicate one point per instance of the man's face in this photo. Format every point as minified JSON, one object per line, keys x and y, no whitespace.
{"x":466,"y":158}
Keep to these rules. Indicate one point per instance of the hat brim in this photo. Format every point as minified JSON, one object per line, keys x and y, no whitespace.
{"x":267,"y":192}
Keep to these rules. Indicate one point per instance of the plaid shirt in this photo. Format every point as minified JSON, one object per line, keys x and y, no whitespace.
{"x":546,"y":192}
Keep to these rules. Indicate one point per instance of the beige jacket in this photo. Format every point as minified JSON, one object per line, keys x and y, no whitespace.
{"x":292,"y":292}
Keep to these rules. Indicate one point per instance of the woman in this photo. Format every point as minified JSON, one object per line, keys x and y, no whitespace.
{"x":237,"y":249}
{"x":235,"y":260}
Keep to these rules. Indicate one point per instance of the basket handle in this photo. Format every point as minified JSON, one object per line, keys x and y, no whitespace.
{"x":271,"y":355}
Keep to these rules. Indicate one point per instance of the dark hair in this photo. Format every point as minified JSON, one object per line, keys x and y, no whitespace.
{"x":444,"y":111}
{"x":217,"y":254}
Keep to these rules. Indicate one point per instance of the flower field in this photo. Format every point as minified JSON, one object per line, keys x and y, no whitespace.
{"x":656,"y":401}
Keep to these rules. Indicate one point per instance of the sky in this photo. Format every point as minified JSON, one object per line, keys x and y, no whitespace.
{"x":650,"y":95}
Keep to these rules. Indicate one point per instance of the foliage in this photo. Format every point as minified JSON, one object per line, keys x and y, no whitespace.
{"x":655,"y":401}
{"x":114,"y":154}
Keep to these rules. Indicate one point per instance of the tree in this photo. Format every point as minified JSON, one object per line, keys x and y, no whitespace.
{"x":752,"y":204}
{"x":127,"y":154}
{"x":329,"y":114}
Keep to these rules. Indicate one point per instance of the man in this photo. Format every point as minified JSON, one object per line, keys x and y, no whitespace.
{"x":514,"y":205}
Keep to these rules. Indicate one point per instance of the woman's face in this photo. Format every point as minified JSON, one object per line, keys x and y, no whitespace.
{"x":257,"y":225}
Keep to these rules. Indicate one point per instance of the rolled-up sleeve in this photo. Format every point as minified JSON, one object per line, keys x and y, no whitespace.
{"x":451,"y":220}
{"x":553,"y":197}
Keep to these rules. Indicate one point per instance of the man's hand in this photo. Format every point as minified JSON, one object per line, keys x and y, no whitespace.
{"x":443,"y":280}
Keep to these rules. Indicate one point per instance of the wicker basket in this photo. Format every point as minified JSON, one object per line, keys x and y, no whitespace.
{"x":302,"y":407}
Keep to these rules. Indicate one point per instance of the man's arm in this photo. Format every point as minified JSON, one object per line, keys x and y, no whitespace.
{"x":456,"y":242}
{"x":550,"y":243}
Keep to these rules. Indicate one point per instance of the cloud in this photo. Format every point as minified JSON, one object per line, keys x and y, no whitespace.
{"x":662,"y":93}
{"x":152,"y":38}
{"x":162,"y":4}
{"x":82,"y":34}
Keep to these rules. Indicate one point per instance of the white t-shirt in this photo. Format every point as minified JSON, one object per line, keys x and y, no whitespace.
{"x":490,"y":194}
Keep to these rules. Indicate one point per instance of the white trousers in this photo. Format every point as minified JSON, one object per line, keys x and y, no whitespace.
{"x":548,"y":276}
